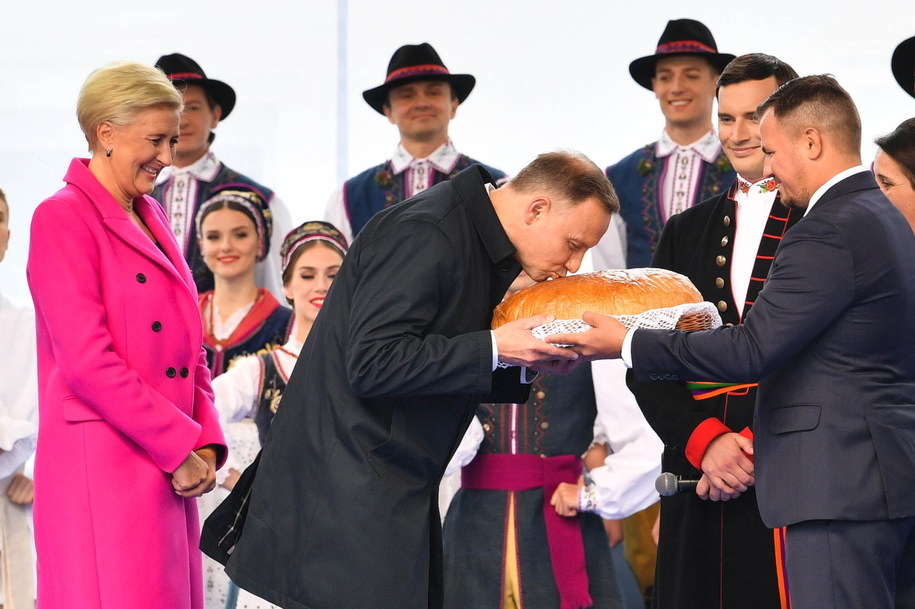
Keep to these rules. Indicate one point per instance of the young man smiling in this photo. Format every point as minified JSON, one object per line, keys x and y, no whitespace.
{"x":686,"y":165}
{"x":196,"y":172}
{"x":713,"y":554}
{"x":420,"y":96}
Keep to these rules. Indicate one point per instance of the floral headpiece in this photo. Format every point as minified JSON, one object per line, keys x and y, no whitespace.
{"x":311,"y":231}
{"x":251,"y":201}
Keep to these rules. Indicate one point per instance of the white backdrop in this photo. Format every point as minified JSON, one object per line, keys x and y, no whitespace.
{"x":549,"y":75}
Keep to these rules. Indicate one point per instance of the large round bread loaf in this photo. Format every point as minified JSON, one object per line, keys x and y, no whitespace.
{"x":613,"y":292}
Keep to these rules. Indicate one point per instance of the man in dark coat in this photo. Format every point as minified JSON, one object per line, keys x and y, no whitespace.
{"x":830,"y":339}
{"x":344,"y":510}
{"x":714,"y":552}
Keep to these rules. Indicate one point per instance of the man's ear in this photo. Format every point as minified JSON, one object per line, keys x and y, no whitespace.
{"x":536,"y":208}
{"x":217,"y":115}
{"x":812,"y":142}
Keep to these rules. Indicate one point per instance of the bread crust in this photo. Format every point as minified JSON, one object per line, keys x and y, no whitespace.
{"x":611,"y":292}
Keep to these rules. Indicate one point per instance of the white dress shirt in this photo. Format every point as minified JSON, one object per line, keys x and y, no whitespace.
{"x":752,"y":214}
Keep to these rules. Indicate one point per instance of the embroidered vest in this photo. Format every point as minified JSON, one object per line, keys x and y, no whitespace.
{"x":558,"y":418}
{"x":271,"y":391}
{"x":638,"y":180}
{"x":378,"y":188}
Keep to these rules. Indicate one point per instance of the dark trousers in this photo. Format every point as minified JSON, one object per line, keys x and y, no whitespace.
{"x":845,"y":564}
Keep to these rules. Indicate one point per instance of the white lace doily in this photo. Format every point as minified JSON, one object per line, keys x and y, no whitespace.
{"x":658,"y":319}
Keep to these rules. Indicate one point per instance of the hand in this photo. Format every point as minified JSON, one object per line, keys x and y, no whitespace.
{"x":614,"y":530}
{"x":517,"y":346}
{"x":565,"y":498}
{"x":230,"y":482}
{"x":21,"y":490}
{"x":595,"y":456}
{"x":603,"y":341}
{"x":196,"y":475}
{"x":727,"y":468}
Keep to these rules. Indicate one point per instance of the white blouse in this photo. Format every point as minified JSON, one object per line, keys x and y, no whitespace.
{"x":237,"y":393}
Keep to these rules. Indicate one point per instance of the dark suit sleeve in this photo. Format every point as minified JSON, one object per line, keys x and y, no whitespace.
{"x":812,"y":282}
{"x":668,"y":406}
{"x":397,"y":344}
{"x":507,"y":387}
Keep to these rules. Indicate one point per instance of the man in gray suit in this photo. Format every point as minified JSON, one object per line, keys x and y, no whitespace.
{"x":831,"y":340}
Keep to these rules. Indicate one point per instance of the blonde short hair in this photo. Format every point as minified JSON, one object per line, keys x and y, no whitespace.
{"x":118,"y":91}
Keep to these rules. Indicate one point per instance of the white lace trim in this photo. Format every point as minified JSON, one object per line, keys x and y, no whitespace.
{"x":657,"y":319}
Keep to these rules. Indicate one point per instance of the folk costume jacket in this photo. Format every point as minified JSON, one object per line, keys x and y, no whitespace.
{"x":266,"y":326}
{"x":344,"y":508}
{"x":124,"y":397}
{"x":638,"y":181}
{"x":830,"y":340}
{"x":710,"y":554}
{"x":377,"y":188}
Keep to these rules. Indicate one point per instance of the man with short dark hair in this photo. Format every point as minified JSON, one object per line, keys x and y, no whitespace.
{"x":713,"y":554}
{"x":830,"y":340}
{"x":686,"y":165}
{"x":391,"y":376}
{"x":421,"y":97}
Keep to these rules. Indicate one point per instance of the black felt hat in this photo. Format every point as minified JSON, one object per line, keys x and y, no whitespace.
{"x":413,"y":62}
{"x":680,"y":37}
{"x":903,"y":64}
{"x":182,"y":69}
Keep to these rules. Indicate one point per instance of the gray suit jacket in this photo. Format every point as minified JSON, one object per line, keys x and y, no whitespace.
{"x":831,"y":340}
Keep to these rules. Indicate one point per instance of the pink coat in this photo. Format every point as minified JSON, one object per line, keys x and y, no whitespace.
{"x":124,"y":397}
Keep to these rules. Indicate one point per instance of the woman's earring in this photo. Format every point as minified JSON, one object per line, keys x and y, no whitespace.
{"x":108,"y":152}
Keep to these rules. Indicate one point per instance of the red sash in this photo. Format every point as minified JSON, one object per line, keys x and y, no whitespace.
{"x":506,"y":472}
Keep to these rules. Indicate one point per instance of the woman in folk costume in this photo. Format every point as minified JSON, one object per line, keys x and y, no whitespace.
{"x":311,"y":255}
{"x":128,"y":433}
{"x":251,"y":389}
{"x":525,"y":530}
{"x":239,"y":318}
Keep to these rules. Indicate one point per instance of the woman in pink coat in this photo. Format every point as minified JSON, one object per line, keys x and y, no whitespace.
{"x":128,"y":435}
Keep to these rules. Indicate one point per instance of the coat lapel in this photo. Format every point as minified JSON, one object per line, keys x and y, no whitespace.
{"x":119,"y":225}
